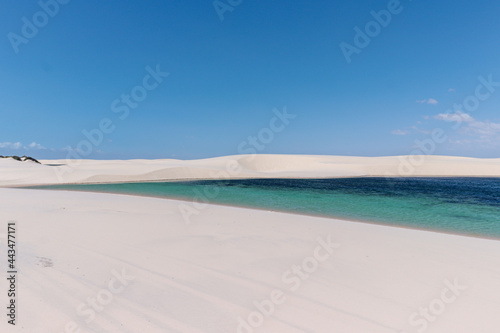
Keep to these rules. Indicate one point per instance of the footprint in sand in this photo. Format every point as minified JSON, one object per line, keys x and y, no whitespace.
{"x":45,"y":262}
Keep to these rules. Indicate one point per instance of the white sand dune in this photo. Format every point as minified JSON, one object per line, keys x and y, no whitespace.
{"x":231,"y":269}
{"x":241,"y":166}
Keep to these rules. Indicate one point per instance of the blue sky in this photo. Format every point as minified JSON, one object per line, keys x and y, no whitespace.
{"x":233,"y":68}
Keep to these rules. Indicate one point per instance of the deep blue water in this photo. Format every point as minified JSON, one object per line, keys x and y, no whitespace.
{"x":460,"y":205}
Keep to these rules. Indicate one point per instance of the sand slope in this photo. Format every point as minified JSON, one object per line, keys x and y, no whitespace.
{"x":203,"y":276}
{"x":241,"y":166}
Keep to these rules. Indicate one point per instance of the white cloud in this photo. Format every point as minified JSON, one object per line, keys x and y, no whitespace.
{"x":451,"y":90}
{"x":19,"y":145}
{"x":487,"y":131}
{"x":480,"y":131}
{"x":400,"y":132}
{"x":10,"y":145}
{"x":35,"y":145}
{"x":16,"y":145}
{"x":428,"y":101}
{"x":456,"y":117}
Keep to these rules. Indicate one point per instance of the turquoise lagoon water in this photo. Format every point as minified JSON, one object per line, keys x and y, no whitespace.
{"x":460,"y":205}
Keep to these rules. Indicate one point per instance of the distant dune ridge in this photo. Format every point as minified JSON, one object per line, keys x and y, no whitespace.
{"x":242,"y":166}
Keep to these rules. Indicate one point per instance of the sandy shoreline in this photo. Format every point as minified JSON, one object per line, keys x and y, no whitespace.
{"x":243,"y":178}
{"x":184,"y":200}
{"x":126,"y":263}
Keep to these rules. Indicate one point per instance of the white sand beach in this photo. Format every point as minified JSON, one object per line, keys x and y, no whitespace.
{"x":94,"y":262}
